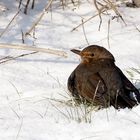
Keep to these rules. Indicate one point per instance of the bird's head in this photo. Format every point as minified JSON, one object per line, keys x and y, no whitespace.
{"x":94,"y":53}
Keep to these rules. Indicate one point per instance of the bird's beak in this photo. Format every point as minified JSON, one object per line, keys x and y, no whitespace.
{"x":76,"y":51}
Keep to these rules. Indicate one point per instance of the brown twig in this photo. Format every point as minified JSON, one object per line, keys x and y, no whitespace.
{"x":22,"y":36}
{"x":6,"y":57}
{"x":113,"y":7}
{"x":1,"y":34}
{"x":63,"y":4}
{"x":26,"y":7}
{"x":33,"y":4}
{"x":99,"y":13}
{"x":20,"y":2}
{"x":40,"y":17}
{"x":103,"y":9}
{"x":19,"y":56}
{"x":109,"y":5}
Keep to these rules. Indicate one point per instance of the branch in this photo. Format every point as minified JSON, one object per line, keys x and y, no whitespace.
{"x":137,"y":28}
{"x":40,"y":17}
{"x":113,"y":7}
{"x":99,"y":13}
{"x":108,"y":36}
{"x":109,"y":5}
{"x":84,"y":33}
{"x":103,"y":9}
{"x":26,"y":7}
{"x":13,"y":58}
{"x":37,"y":49}
{"x":1,"y":34}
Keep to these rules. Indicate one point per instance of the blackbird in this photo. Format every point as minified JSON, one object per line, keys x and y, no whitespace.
{"x":99,"y":81}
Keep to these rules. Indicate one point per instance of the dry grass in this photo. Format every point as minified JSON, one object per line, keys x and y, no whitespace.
{"x":101,"y":6}
{"x":73,"y":110}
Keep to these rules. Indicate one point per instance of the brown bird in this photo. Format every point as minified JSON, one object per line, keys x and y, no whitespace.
{"x":99,"y":81}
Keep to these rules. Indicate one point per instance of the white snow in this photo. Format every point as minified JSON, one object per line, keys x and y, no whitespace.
{"x":33,"y":89}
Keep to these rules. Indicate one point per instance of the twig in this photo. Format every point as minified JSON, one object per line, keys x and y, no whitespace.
{"x":59,"y":111}
{"x":113,"y":7}
{"x":97,"y":87}
{"x":26,"y":7}
{"x":102,"y":10}
{"x":108,"y":37}
{"x":47,"y":107}
{"x":38,"y":113}
{"x":109,"y":5}
{"x":99,"y":13}
{"x":20,"y":2}
{"x":37,"y":49}
{"x":1,"y":34}
{"x":63,"y":4}
{"x":13,"y":58}
{"x":15,"y":88}
{"x":137,"y":28}
{"x":33,"y":4}
{"x":22,"y":36}
{"x":6,"y":57}
{"x":15,"y":112}
{"x":135,"y":70}
{"x":90,"y":137}
{"x":84,"y":33}
{"x":19,"y":129}
{"x":40,"y":17}
{"x":34,"y":38}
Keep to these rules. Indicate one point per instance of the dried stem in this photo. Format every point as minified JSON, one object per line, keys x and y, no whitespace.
{"x":109,"y":5}
{"x":84,"y":33}
{"x":37,"y":49}
{"x":59,"y":110}
{"x":13,"y":58}
{"x":108,"y":37}
{"x":20,"y":2}
{"x":103,"y":9}
{"x":21,"y":124}
{"x":33,"y":4}
{"x":1,"y":34}
{"x":113,"y":7}
{"x":40,"y":17}
{"x":137,"y":28}
{"x":99,"y":13}
{"x":22,"y":36}
{"x":26,"y":7}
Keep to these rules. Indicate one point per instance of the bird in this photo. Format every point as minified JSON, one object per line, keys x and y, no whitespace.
{"x":97,"y":80}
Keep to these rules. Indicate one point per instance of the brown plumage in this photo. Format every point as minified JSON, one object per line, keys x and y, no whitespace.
{"x":98,"y":80}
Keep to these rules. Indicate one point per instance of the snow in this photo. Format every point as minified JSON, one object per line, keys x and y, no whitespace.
{"x":35,"y":104}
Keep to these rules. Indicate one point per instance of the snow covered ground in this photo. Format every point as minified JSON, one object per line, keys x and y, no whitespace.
{"x":33,"y":93}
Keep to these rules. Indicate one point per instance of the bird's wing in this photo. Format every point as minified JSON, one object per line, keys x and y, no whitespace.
{"x":94,"y":89}
{"x":127,"y":83}
{"x":129,"y":87}
{"x":90,"y":87}
{"x":71,"y":84}
{"x":95,"y":81}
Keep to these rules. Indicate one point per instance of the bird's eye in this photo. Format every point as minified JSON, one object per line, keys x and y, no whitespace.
{"x":92,"y":54}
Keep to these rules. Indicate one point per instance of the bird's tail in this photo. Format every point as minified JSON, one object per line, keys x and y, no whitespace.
{"x":135,"y":96}
{"x":129,"y":102}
